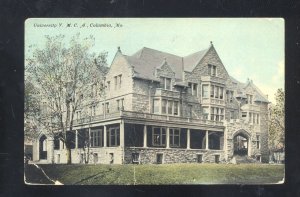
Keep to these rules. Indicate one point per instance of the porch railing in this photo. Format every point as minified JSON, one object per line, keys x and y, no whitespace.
{"x":145,"y":116}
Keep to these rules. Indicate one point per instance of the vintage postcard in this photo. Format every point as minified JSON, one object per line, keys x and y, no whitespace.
{"x":147,"y":101}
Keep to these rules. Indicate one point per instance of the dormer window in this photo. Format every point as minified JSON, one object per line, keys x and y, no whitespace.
{"x":165,"y":83}
{"x":249,"y":99}
{"x":212,"y":70}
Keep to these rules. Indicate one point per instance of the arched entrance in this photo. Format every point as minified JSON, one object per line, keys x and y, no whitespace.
{"x":241,"y":143}
{"x":43,"y":147}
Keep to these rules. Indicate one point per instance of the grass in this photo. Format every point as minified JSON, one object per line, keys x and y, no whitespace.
{"x":165,"y":174}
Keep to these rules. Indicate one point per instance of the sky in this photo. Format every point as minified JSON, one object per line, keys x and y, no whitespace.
{"x":249,"y":48}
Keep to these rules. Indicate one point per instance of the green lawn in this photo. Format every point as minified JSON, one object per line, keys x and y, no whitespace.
{"x":165,"y":174}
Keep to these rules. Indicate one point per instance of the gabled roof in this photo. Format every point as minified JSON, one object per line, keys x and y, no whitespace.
{"x":191,"y":61}
{"x":146,"y":60}
{"x":240,"y":87}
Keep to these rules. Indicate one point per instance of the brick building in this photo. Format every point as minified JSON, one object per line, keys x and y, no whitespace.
{"x":161,"y":108}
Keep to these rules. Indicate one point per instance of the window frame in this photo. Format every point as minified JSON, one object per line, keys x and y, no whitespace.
{"x":96,"y":138}
{"x":114,"y":135}
{"x":161,"y":134}
{"x":173,"y":135}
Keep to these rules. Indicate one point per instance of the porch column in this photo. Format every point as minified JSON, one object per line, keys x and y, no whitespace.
{"x":76,"y":139}
{"x":89,"y":137}
{"x":168,"y":138}
{"x":104,"y":136}
{"x":122,"y":133}
{"x":206,"y":140}
{"x":249,"y":146}
{"x":145,"y":136}
{"x":188,"y":138}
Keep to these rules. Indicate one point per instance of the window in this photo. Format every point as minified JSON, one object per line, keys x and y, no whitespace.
{"x":108,"y":85}
{"x":232,"y":115}
{"x":165,"y":83}
{"x":174,"y":137}
{"x":120,"y":104}
{"x":78,"y":115}
{"x":135,"y":157}
{"x":250,"y":117}
{"x":159,"y":158}
{"x":249,"y":99}
{"x":176,"y":109}
{"x":257,"y":120}
{"x":168,"y":83}
{"x":107,"y":108}
{"x":193,"y":89}
{"x":205,"y":91}
{"x":170,"y":107}
{"x":190,"y":111}
{"x":114,"y":136}
{"x":229,"y":96}
{"x":96,"y":138}
{"x":205,"y":111}
{"x":159,"y":136}
{"x":216,"y":92}
{"x":217,"y":158}
{"x":120,"y":81}
{"x":116,"y":82}
{"x":156,"y":106}
{"x":164,"y":106}
{"x":93,"y":110}
{"x":199,"y":158}
{"x":212,"y":70}
{"x":257,"y":141}
{"x":216,"y":113}
{"x":244,"y":114}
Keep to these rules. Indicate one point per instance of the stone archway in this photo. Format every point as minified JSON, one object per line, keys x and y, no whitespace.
{"x":43,"y":148}
{"x":241,"y":143}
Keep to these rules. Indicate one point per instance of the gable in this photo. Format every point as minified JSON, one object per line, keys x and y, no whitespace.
{"x":165,"y":70}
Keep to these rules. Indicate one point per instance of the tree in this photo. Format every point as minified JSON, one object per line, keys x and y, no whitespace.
{"x":276,"y":123}
{"x":67,"y":77}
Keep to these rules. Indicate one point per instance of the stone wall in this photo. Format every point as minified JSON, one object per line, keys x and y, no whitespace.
{"x":148,"y":155}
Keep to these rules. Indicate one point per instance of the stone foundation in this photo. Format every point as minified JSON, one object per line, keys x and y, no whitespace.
{"x":148,"y":155}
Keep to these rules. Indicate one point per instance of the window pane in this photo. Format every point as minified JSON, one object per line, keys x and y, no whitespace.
{"x":155,"y":106}
{"x":212,"y":90}
{"x":175,"y":107}
{"x":162,"y":82}
{"x":164,"y":106}
{"x":168,"y":83}
{"x":205,"y":91}
{"x":170,"y":106}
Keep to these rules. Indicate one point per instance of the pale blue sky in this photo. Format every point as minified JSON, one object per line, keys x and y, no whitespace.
{"x":249,"y":48}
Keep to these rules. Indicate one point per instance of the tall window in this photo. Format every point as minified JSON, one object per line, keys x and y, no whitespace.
{"x":229,"y":96}
{"x":120,"y":104}
{"x":114,"y":136}
{"x":205,"y":91}
{"x":120,"y":81}
{"x":164,"y":106}
{"x":176,"y":108}
{"x":116,"y":82}
{"x":232,"y":115}
{"x":257,"y":119}
{"x":107,"y":108}
{"x":174,"y":137}
{"x":249,"y":99}
{"x":212,"y":70}
{"x":216,"y":91}
{"x":93,"y":110}
{"x":257,"y":141}
{"x":170,"y":107}
{"x":108,"y":85}
{"x":189,"y":113}
{"x":78,"y":115}
{"x":156,"y":106}
{"x":205,"y":111}
{"x":96,"y":138}
{"x":166,"y":83}
{"x":193,"y":88}
{"x":159,"y":136}
{"x":217,"y":113}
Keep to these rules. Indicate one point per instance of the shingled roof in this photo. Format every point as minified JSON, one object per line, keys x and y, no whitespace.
{"x":146,"y":60}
